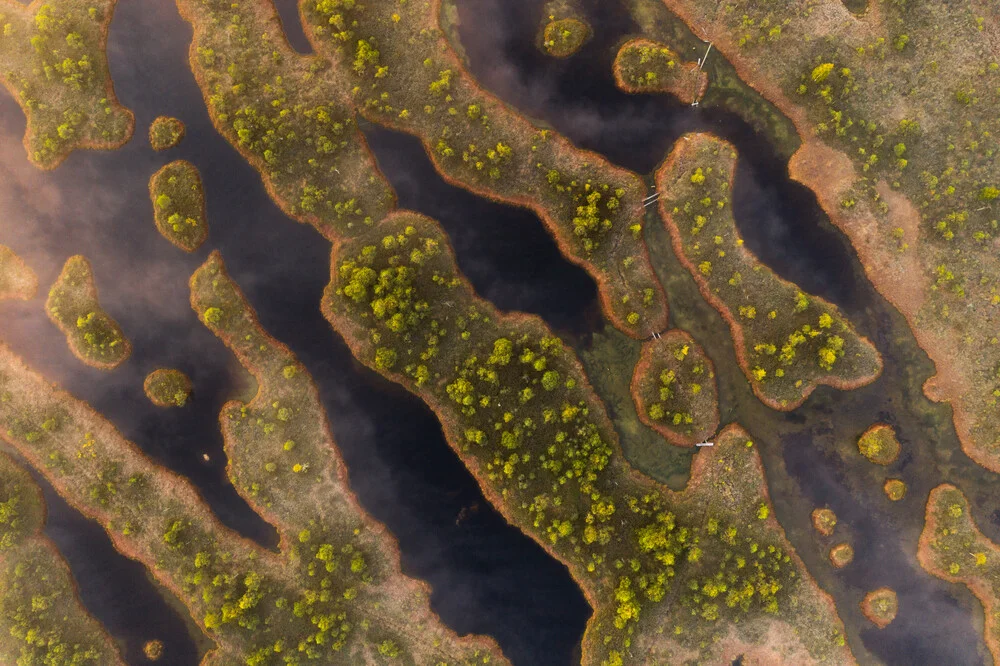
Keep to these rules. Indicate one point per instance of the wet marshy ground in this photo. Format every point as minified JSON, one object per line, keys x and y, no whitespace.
{"x":486,"y":576}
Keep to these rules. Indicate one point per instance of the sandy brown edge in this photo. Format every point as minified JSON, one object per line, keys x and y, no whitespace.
{"x":160,"y":224}
{"x":166,"y":119}
{"x":109,"y":89}
{"x":185,"y":491}
{"x":925,"y":339}
{"x":389,"y":544}
{"x":687,"y":97}
{"x":601,"y":277}
{"x":642,"y":368}
{"x":147,"y":382}
{"x":38,"y":536}
{"x":866,"y":609}
{"x":879,"y":426}
{"x":734,"y":326}
{"x":349,"y":332}
{"x":25,"y":294}
{"x":981,"y":591}
{"x":92,"y":292}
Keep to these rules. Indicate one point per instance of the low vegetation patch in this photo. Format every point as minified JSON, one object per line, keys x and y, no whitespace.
{"x":787,"y":342}
{"x":675,"y":390}
{"x":879,"y":444}
{"x":53,"y":61}
{"x":167,"y":387}
{"x":93,"y":336}
{"x":179,"y":205}
{"x":645,"y":66}
{"x":165,"y":132}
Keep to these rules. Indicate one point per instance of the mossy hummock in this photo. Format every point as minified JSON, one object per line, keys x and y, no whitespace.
{"x":563,"y":37}
{"x":895,"y":489}
{"x":675,"y":390}
{"x":841,"y":555}
{"x":41,"y":618}
{"x":517,"y":408}
{"x":167,"y":387}
{"x":178,"y":199}
{"x":645,"y":66}
{"x":880,"y":607}
{"x":824,"y":521}
{"x":165,"y":132}
{"x":787,"y":342}
{"x":93,"y":336}
{"x":879,"y":444}
{"x":17,"y":279}
{"x":53,"y":61}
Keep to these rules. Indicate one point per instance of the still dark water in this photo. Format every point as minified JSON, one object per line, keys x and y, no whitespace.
{"x":486,"y":576}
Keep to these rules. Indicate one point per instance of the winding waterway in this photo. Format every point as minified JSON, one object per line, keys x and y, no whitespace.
{"x":486,"y":576}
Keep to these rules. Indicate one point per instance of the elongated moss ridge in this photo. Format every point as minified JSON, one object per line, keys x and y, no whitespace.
{"x":93,"y":336}
{"x":787,"y":342}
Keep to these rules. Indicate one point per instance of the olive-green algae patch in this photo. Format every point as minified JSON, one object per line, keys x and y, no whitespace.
{"x":880,"y":607}
{"x":284,"y":462}
{"x":896,"y":111}
{"x":41,"y":618}
{"x":53,"y":61}
{"x":787,"y":342}
{"x":404,"y":74}
{"x":645,"y":66}
{"x":665,"y":572}
{"x":179,"y":205}
{"x":165,"y":132}
{"x":824,"y":521}
{"x":879,"y":444}
{"x":93,"y":336}
{"x":17,"y":279}
{"x":953,"y":548}
{"x":325,"y":598}
{"x":675,"y":390}
{"x":563,"y":37}
{"x":167,"y":387}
